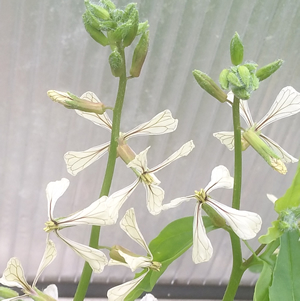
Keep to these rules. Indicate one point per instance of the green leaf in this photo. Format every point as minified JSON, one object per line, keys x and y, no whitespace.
{"x":261,"y":292}
{"x":292,"y":196}
{"x":175,"y":239}
{"x":273,"y":233}
{"x":286,"y":276}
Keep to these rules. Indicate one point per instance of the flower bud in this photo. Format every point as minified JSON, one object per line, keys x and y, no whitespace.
{"x":209,"y":85}
{"x":116,"y":63}
{"x":115,"y":254}
{"x":139,"y":55}
{"x":244,"y":75}
{"x":241,"y":93}
{"x":223,"y":79}
{"x":96,"y":34}
{"x":236,"y":50}
{"x":132,"y":32}
{"x":251,"y":66}
{"x":234,"y":80}
{"x":252,"y":137}
{"x":97,"y":10}
{"x":6,"y":293}
{"x":71,"y":101}
{"x":109,"y":5}
{"x":268,"y":70}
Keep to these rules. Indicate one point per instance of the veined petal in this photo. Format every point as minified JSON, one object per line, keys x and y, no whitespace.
{"x":278,"y":150}
{"x":102,"y":212}
{"x":139,"y":163}
{"x":95,"y":258}
{"x":220,"y":178}
{"x":202,"y":248}
{"x":77,"y":161}
{"x":52,"y":291}
{"x":245,"y":224}
{"x":162,"y":123}
{"x":176,"y":202}
{"x":54,"y":191}
{"x":13,"y":275}
{"x":48,"y":257}
{"x":100,"y":119}
{"x":135,"y":262}
{"x":286,"y":104}
{"x":119,"y":293}
{"x":226,"y":138}
{"x":154,"y":196}
{"x":129,"y":225}
{"x":183,"y":151}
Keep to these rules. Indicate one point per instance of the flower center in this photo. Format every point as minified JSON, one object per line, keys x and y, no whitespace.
{"x":201,"y":196}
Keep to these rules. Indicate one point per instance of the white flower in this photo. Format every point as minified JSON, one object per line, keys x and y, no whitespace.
{"x":13,"y":276}
{"x":154,"y":193}
{"x":129,"y":259}
{"x":244,"y":223}
{"x":149,"y":297}
{"x":272,"y":198}
{"x":102,"y":212}
{"x":286,"y":104}
{"x":162,"y":123}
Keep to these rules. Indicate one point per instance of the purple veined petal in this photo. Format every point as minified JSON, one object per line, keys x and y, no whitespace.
{"x":245,"y":224}
{"x":54,"y":191}
{"x":220,"y":178}
{"x":287,"y":103}
{"x":154,"y":196}
{"x":78,"y":161}
{"x":129,"y":225}
{"x":139,"y":163}
{"x":49,"y":255}
{"x":119,"y":293}
{"x":162,"y":123}
{"x":99,"y":119}
{"x":183,"y":151}
{"x":278,"y":150}
{"x":176,"y":202}
{"x":226,"y":138}
{"x":202,"y":248}
{"x":95,"y":258}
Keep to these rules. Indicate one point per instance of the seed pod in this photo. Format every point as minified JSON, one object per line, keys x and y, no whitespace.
{"x":236,"y":50}
{"x":139,"y":55}
{"x":268,"y":70}
{"x":223,"y":79}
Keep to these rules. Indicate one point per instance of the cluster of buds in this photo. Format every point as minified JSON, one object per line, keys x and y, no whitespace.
{"x":121,"y":28}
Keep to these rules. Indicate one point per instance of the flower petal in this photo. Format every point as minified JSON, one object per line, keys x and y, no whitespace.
{"x":135,"y":262}
{"x":48,"y":257}
{"x":139,"y":163}
{"x":129,"y":225}
{"x":154,"y":196}
{"x":54,"y":191}
{"x":287,"y":103}
{"x":220,"y":178}
{"x":183,"y":151}
{"x":202,"y":248}
{"x":245,"y":224}
{"x":77,"y":161}
{"x":102,"y":212}
{"x":226,"y":138}
{"x":100,"y":119}
{"x":176,"y":202}
{"x":278,"y":150}
{"x":119,"y":293}
{"x":95,"y":258}
{"x":52,"y":291}
{"x":162,"y":123}
{"x":149,"y":297}
{"x":13,"y":275}
{"x":272,"y":198}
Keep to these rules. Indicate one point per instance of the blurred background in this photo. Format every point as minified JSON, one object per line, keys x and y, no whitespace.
{"x":44,"y":46}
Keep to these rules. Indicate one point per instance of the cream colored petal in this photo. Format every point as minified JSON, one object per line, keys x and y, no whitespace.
{"x":226,"y":138}
{"x":176,"y":202}
{"x":154,"y":196}
{"x":139,"y":163}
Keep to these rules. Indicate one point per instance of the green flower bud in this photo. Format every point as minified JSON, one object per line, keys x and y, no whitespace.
{"x":6,"y":293}
{"x":139,"y":55}
{"x":268,"y":70}
{"x":132,"y":32}
{"x":209,"y":85}
{"x":251,"y":66}
{"x":254,"y":81}
{"x":96,"y":34}
{"x":244,"y":75}
{"x":97,"y":10}
{"x":116,"y":63}
{"x":234,"y":80}
{"x":142,"y":27}
{"x":223,"y":79}
{"x":236,"y":50}
{"x":241,"y":93}
{"x":109,"y":5}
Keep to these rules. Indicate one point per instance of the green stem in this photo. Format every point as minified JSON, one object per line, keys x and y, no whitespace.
{"x":95,"y":233}
{"x":237,"y":269}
